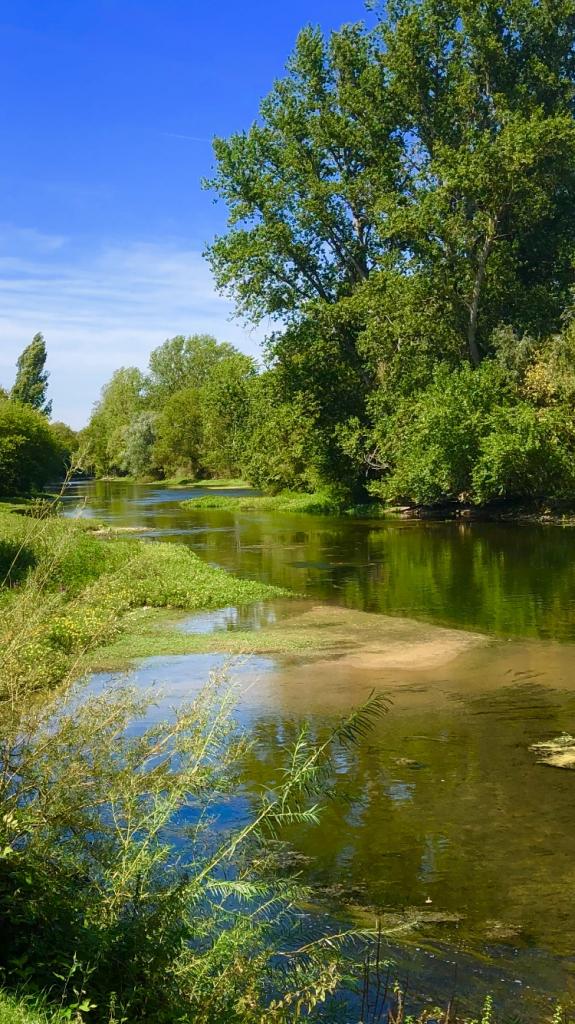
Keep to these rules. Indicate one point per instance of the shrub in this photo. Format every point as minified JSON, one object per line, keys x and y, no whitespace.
{"x":526,"y":453}
{"x":432,"y":443}
{"x":29,"y":453}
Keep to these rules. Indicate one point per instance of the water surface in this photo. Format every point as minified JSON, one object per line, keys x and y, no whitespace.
{"x":443,"y":810}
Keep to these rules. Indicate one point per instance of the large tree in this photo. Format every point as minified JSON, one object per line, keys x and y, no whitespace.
{"x":120,"y":404}
{"x":31,"y":377}
{"x":486,"y":214}
{"x":404,"y":192}
{"x":184,"y":362}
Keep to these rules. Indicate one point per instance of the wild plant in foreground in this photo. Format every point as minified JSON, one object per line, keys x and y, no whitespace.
{"x":122,"y":893}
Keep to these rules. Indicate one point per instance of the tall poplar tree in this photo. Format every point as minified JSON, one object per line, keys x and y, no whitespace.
{"x":31,"y":377}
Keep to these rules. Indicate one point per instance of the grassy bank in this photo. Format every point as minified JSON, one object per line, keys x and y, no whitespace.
{"x":127,"y":894}
{"x":90,"y":584}
{"x":540,"y":511}
{"x":287,"y":501}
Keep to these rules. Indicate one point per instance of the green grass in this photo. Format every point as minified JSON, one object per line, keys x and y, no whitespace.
{"x":91,"y":583}
{"x":287,"y":501}
{"x":319,"y":504}
{"x":27,"y":1010}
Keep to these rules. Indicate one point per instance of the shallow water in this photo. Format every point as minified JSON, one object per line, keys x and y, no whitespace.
{"x":443,"y":811}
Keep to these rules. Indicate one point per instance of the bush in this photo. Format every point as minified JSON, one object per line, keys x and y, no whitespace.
{"x":526,"y":453}
{"x":29,"y":453}
{"x":432,"y":443}
{"x":470,"y":436}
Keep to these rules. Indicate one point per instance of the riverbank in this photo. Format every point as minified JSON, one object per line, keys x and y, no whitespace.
{"x":318,"y":503}
{"x":91,"y":578}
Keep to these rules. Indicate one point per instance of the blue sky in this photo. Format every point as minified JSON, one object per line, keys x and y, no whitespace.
{"x":109,"y":108}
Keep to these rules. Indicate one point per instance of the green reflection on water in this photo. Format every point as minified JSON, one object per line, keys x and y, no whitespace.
{"x":512,"y":580}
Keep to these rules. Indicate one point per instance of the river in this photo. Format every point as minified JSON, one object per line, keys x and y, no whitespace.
{"x":442,"y":816}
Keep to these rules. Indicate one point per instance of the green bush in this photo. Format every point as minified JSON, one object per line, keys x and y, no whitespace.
{"x":29,"y":452}
{"x":471,"y":436}
{"x":527,"y":453}
{"x":433,"y":441}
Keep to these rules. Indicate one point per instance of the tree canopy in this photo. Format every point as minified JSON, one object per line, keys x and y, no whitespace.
{"x":31,"y":378}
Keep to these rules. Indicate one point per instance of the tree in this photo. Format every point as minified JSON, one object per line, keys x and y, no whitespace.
{"x":178,"y":448}
{"x":29,"y":454}
{"x":302,"y":187}
{"x":66,"y":441}
{"x":136,"y":456}
{"x":404,"y":193}
{"x":281,"y":441}
{"x":225,"y":409}
{"x":121,"y":401}
{"x":31,"y":377}
{"x":183,"y":362}
{"x":485,"y":217}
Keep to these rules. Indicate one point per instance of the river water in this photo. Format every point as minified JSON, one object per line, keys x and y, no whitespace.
{"x":442,"y":817}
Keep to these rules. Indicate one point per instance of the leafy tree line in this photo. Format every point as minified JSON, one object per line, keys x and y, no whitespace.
{"x":33,"y":451}
{"x":186,"y":416}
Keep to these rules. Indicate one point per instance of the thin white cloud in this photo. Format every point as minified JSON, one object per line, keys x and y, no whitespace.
{"x":190,"y":138}
{"x":105,"y":311}
{"x":15,"y":239}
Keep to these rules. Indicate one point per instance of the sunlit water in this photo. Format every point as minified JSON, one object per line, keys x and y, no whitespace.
{"x":442,"y":811}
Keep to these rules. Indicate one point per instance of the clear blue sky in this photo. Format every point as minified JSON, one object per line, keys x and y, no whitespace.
{"x":109,"y":108}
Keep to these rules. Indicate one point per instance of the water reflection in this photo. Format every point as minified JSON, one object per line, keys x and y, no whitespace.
{"x":443,"y":810}
{"x":512,"y":580}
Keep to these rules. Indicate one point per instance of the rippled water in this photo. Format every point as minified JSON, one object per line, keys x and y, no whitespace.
{"x":443,"y":811}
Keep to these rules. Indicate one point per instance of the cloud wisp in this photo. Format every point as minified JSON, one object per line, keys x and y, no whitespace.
{"x":103,"y":311}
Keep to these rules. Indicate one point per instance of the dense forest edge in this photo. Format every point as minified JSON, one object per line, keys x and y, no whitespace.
{"x":402,"y":227}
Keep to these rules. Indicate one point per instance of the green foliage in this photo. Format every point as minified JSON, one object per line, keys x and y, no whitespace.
{"x":470,"y":436}
{"x":26,"y":1009}
{"x":179,"y":434}
{"x":67,"y":442}
{"x":29,"y":453}
{"x":184,"y":363}
{"x":285,"y":501}
{"x":225,"y":399}
{"x":92,"y":583}
{"x":31,"y":378}
{"x":281,"y":441}
{"x":527,"y":452}
{"x":103,"y":440}
{"x":404,"y":195}
{"x":138,"y":441}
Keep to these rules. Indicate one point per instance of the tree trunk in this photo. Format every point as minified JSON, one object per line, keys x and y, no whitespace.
{"x":474,"y":352}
